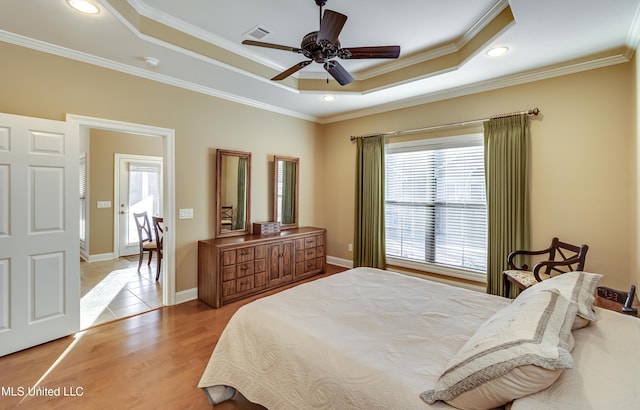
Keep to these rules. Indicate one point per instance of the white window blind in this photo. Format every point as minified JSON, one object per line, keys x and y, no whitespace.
{"x":435,"y":202}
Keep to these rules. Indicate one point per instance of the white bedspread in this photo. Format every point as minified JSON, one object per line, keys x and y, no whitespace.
{"x":606,"y":369}
{"x":361,"y":339}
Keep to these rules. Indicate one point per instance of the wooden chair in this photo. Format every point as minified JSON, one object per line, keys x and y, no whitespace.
{"x":226,"y":220}
{"x":561,"y":257}
{"x":158,"y":229}
{"x":147,"y":244}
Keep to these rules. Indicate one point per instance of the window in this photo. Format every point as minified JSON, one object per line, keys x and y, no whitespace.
{"x":144,"y":192}
{"x":435,"y":202}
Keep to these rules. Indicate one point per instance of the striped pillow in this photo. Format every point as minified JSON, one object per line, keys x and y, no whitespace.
{"x":577,"y":286}
{"x":520,"y":350}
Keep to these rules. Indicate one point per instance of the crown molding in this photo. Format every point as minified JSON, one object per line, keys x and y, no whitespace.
{"x":142,"y":73}
{"x":618,"y":57}
{"x":633,"y":38}
{"x":431,"y":54}
{"x":180,"y":25}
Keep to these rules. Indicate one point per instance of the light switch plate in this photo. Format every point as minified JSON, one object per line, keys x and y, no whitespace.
{"x":104,"y":204}
{"x":186,"y":213}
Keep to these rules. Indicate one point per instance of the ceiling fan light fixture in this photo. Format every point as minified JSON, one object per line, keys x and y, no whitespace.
{"x":84,"y":6}
{"x":328,"y":98}
{"x":497,"y":51}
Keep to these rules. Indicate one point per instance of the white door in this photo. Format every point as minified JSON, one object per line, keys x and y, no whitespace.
{"x":39,"y":239}
{"x":139,"y":188}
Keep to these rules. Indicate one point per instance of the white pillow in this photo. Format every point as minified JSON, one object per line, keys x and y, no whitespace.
{"x":520,"y":350}
{"x":577,"y":286}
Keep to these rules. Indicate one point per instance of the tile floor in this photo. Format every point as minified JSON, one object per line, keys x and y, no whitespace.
{"x":114,"y":289}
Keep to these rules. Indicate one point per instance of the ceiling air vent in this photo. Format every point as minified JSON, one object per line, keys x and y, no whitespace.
{"x":257,"y":32}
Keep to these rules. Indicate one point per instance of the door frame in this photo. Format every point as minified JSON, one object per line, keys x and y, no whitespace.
{"x":116,"y":194}
{"x":84,"y":123}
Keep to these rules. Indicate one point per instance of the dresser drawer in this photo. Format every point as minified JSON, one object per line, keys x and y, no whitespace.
{"x":310,"y":254}
{"x":260,"y":265}
{"x":228,"y":258}
{"x":310,"y":242}
{"x":244,"y":284}
{"x":245,"y":254}
{"x":245,"y":269}
{"x":228,"y":272}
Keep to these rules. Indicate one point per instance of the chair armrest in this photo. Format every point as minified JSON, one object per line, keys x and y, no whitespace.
{"x":552,"y":265}
{"x":513,"y":254}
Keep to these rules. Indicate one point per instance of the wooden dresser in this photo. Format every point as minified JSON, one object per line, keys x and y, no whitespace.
{"x":237,"y":267}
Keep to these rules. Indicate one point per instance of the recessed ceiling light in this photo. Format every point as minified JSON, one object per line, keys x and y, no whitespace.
{"x":497,"y":51}
{"x":328,"y":98}
{"x":84,"y":6}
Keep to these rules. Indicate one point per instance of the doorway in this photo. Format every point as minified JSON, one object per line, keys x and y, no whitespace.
{"x":112,"y":263}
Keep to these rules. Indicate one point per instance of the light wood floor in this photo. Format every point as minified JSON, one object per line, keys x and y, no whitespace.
{"x":152,"y":360}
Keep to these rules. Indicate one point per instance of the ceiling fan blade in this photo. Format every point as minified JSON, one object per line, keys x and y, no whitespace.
{"x":271,"y":45}
{"x":338,"y":72}
{"x":291,"y":70}
{"x":330,"y":27}
{"x":370,"y":52}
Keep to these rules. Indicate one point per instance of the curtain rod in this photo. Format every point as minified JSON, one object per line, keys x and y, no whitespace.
{"x":534,"y":112}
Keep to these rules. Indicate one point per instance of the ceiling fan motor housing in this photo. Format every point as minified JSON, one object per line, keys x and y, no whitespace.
{"x":311,"y":49}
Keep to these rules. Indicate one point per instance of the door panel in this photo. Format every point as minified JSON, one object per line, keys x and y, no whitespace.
{"x":39,"y":240}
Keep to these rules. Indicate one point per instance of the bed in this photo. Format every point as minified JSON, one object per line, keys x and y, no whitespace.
{"x":373,"y":339}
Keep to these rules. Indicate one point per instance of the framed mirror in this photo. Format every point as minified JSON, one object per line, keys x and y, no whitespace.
{"x":233,"y":193}
{"x":285,"y":191}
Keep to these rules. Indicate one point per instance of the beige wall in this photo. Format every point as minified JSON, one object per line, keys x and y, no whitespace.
{"x":583,"y":185}
{"x":103,"y":147}
{"x":41,"y":85}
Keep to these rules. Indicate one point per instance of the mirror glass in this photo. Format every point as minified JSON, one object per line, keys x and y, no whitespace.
{"x":233,"y":192}
{"x":285,"y":191}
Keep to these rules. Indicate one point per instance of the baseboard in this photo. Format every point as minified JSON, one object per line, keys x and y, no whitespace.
{"x":345,"y":263}
{"x":186,"y":295}
{"x":100,"y":257}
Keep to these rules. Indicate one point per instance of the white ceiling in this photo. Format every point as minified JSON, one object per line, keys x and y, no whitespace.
{"x":547,"y":38}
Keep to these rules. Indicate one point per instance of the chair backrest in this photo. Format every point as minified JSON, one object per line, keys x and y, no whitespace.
{"x":144,"y":229}
{"x":158,"y":229}
{"x":227,"y":212}
{"x":569,"y":257}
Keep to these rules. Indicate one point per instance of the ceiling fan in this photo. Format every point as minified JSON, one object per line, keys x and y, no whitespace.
{"x":322,"y":46}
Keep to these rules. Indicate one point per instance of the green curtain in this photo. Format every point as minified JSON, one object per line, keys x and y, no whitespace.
{"x":241,"y":213}
{"x":506,"y":147}
{"x":369,"y":236}
{"x":288,"y":192}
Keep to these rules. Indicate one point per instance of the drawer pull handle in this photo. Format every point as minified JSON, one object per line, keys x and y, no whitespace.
{"x":244,"y":268}
{"x":243,"y":253}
